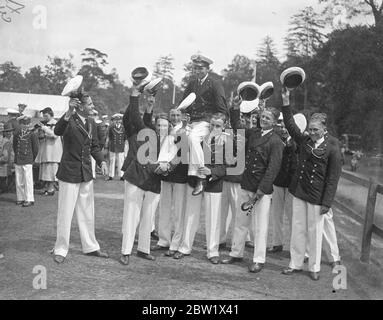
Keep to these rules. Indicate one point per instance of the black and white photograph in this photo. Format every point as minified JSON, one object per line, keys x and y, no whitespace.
{"x":191,"y":155}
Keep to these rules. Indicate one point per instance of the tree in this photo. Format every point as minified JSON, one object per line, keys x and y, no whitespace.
{"x":352,"y":8}
{"x":239,"y":70}
{"x":10,"y":78}
{"x":350,"y":69}
{"x":92,"y":69}
{"x":164,"y":67}
{"x":304,"y":38}
{"x":37,"y":82}
{"x":305,"y":33}
{"x":58,"y":72}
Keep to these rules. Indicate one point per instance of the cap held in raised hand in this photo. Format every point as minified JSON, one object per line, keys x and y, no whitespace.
{"x":248,"y":91}
{"x":300,"y":121}
{"x":12,"y":111}
{"x":247,"y":106}
{"x":73,"y":87}
{"x":153,"y":86}
{"x":188,"y":101}
{"x":139,"y":74}
{"x":292,"y":77}
{"x":266,"y":90}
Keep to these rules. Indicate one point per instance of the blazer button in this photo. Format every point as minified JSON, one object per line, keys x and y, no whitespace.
{"x":311,"y":181}
{"x":300,"y":177}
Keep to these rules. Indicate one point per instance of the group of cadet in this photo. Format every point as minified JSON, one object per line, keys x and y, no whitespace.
{"x":286,"y":169}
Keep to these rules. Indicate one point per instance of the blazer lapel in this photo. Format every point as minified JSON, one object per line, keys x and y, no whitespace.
{"x":81,"y":131}
{"x":262,"y":139}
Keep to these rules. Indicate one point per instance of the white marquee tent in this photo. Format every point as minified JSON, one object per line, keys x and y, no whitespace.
{"x":34,"y":102}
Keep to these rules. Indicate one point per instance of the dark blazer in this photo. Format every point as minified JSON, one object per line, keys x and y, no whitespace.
{"x":25,"y":146}
{"x":214,"y":182}
{"x":138,"y":174}
{"x":116,"y":139}
{"x":79,"y":144}
{"x":288,"y":166}
{"x":102,"y":131}
{"x":263,"y":157}
{"x":210,"y":99}
{"x":317,"y":175}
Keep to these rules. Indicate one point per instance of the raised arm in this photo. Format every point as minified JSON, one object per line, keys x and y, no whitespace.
{"x":288,"y":119}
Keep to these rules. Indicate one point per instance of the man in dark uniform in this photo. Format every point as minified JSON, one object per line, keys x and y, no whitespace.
{"x":75,"y":177}
{"x":210,"y":99}
{"x":313,"y":187}
{"x":264,"y":150}
{"x":116,"y":135}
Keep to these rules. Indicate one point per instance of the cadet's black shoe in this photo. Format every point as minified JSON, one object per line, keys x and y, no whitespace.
{"x":28,"y":204}
{"x":154,"y":235}
{"x":98,"y":254}
{"x":146,"y":256}
{"x":314,"y":276}
{"x":170,"y":253}
{"x":200,"y":187}
{"x":256,"y":267}
{"x":19,"y":203}
{"x":335,"y":263}
{"x":122,"y":179}
{"x":230,"y":260}
{"x":157,"y":247}
{"x":58,"y":259}
{"x":275,"y":249}
{"x":289,"y":271}
{"x":214,"y":260}
{"x":124,"y":259}
{"x":179,"y":255}
{"x":108,"y":178}
{"x":249,"y":244}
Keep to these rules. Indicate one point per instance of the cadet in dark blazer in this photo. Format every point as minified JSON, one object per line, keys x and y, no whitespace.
{"x":282,"y":198}
{"x":210,"y":99}
{"x":313,"y":186}
{"x":211,"y":197}
{"x":25,"y":146}
{"x":75,"y":177}
{"x":142,"y":184}
{"x":264,"y":150}
{"x":116,"y":135}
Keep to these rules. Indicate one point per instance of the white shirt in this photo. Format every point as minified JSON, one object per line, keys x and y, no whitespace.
{"x":201,"y":81}
{"x":263,"y":132}
{"x":318,"y":142}
{"x":82,"y":118}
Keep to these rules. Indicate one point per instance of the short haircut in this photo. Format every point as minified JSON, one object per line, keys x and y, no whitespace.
{"x":161,"y":115}
{"x":319,"y":117}
{"x":274,"y":111}
{"x":174,"y":110}
{"x":219,"y":116}
{"x":47,"y":110}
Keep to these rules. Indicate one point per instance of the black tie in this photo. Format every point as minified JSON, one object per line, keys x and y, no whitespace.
{"x":87,"y":125}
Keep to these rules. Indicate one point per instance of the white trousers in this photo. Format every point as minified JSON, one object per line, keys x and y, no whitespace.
{"x":75,"y":198}
{"x":113,"y":157}
{"x":229,"y":202}
{"x":330,"y":244}
{"x":199,"y":130}
{"x":307,"y":227}
{"x":259,"y":218}
{"x":24,"y":182}
{"x":126,"y":148}
{"x":171,"y":214}
{"x":210,"y":203}
{"x":281,"y":205}
{"x":168,"y":149}
{"x":139,"y":209}
{"x":93,"y":162}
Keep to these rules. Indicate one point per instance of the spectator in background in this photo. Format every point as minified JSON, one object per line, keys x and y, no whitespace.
{"x":25,"y":146}
{"x":22,"y":107}
{"x":6,"y":155}
{"x":12,"y":115}
{"x":116,"y":146}
{"x":50,"y":151}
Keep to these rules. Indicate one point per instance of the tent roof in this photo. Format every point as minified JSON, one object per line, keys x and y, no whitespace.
{"x":34,"y":102}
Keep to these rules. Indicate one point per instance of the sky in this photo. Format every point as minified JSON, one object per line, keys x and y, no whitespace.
{"x":137,"y":32}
